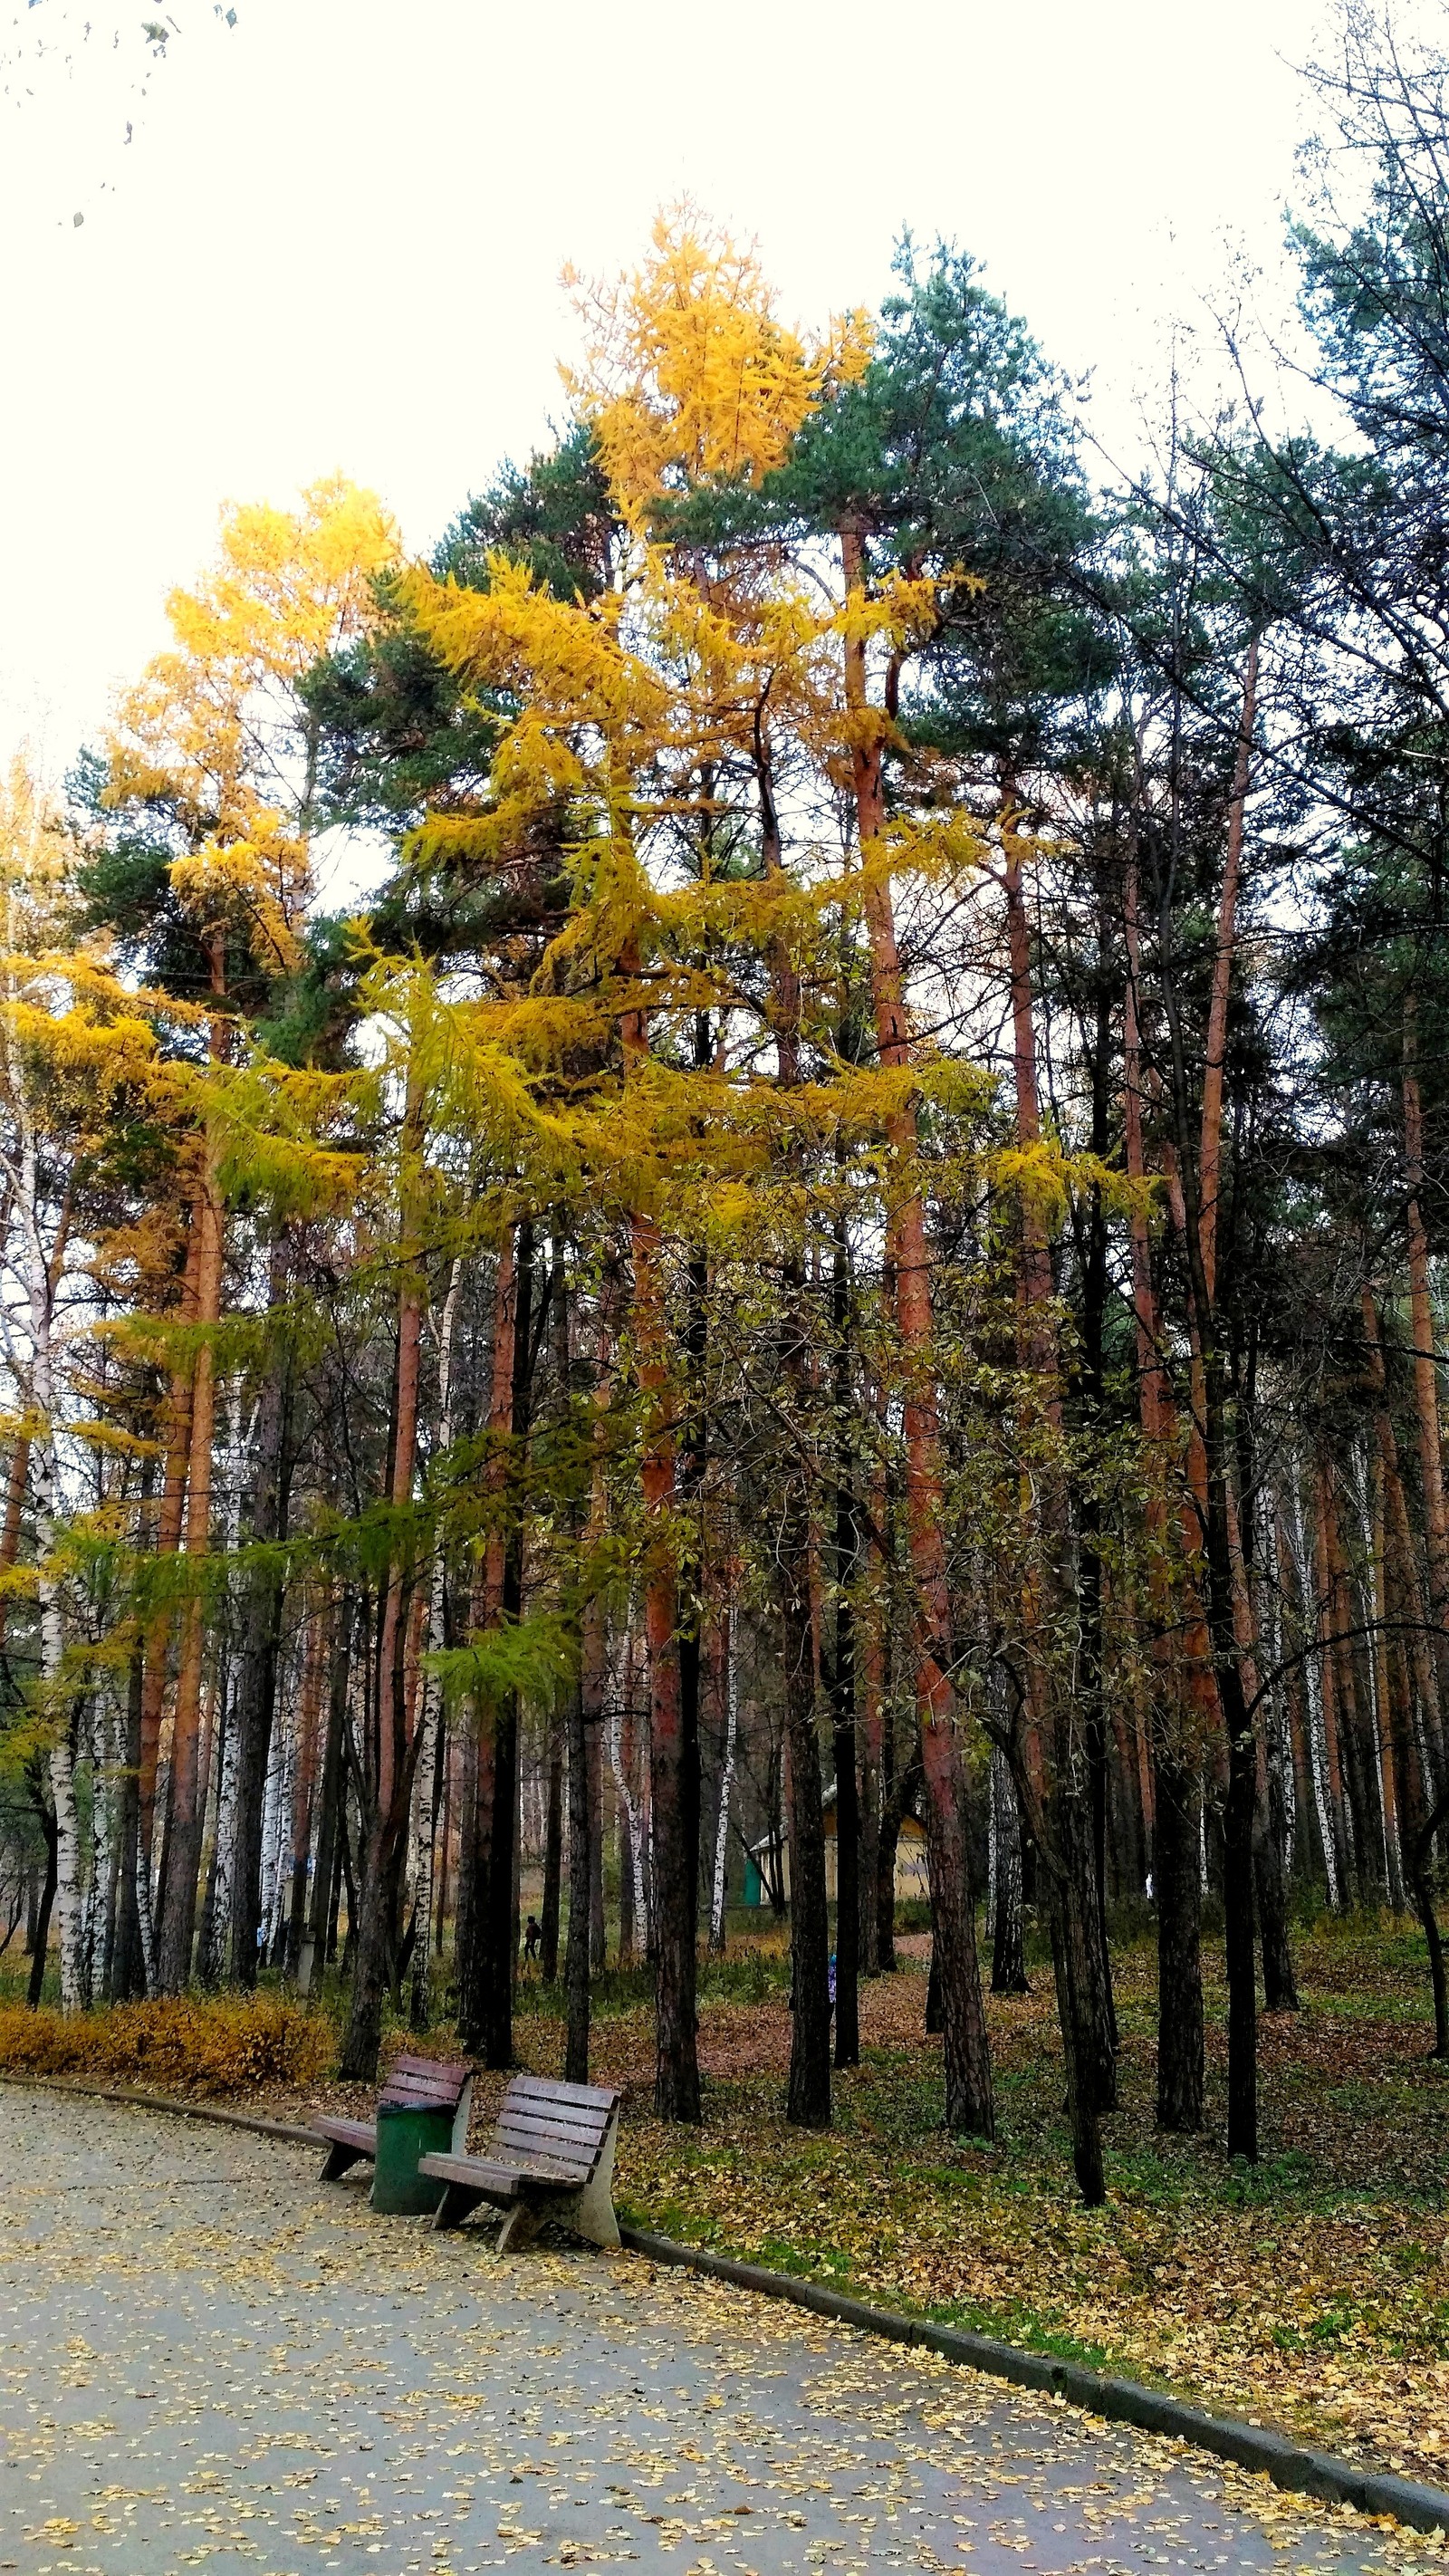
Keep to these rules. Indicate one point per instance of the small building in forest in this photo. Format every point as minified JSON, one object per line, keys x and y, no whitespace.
{"x":767,"y":1863}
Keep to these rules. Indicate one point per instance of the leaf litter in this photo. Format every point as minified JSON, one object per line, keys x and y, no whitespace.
{"x":325,"y":2388}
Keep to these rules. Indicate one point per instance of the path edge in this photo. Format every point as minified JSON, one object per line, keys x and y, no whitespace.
{"x":1149,"y":2410}
{"x":168,"y":2102}
{"x":1123,"y":2401}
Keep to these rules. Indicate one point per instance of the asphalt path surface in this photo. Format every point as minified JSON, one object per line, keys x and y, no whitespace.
{"x":208,"y":2360}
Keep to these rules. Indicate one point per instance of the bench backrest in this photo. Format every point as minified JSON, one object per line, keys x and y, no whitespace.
{"x":558,"y":2124}
{"x":429,"y":2084}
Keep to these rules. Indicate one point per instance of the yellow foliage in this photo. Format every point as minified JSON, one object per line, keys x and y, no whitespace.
{"x":690,"y":376}
{"x":289,"y":586}
{"x":37,"y":854}
{"x":218,"y":729}
{"x":223,"y":2044}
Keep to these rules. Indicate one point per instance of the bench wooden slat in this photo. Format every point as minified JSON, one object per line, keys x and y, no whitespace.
{"x":537,"y":2115}
{"x":585,"y":2141}
{"x":555,"y":2151}
{"x":561,"y":2115}
{"x":529,"y":2152}
{"x":495,"y":2173}
{"x":349,"y":2133}
{"x":536,"y":2138}
{"x":579,"y":2094}
{"x":440,"y":2069}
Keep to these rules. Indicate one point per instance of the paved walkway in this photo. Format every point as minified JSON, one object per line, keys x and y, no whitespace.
{"x":207,"y":2361}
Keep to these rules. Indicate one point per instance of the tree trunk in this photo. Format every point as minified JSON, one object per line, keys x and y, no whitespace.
{"x":256,"y":1688}
{"x":334,"y":1785}
{"x":127,"y":1975}
{"x":1425,"y":1373}
{"x":495,"y":1945}
{"x":808,"y":2098}
{"x":388,"y":1788}
{"x":1383,"y":1690}
{"x":847,"y":1796}
{"x":40,"y":1946}
{"x":580,"y":1840}
{"x":1177,"y":1882}
{"x":1008,"y":1926}
{"x":475,"y":1864}
{"x":969,"y":2102}
{"x":720,"y":1874}
{"x":1213,"y":1492}
{"x":553,"y":1807}
{"x":1075,"y":1905}
{"x":176,"y":1430}
{"x":673,"y":1759}
{"x":178,"y":1895}
{"x":1280,"y":1986}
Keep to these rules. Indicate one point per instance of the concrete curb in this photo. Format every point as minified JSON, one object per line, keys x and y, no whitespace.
{"x":1249,"y":2446}
{"x":1123,"y":2401}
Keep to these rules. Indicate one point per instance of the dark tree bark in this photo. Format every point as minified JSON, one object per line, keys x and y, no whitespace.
{"x":127,"y":1967}
{"x":496,"y":1920}
{"x":487,"y":1950}
{"x":375,"y":1950}
{"x":1008,"y":1928}
{"x":1420,"y":1870}
{"x":210,"y":1965}
{"x":807,"y":2101}
{"x":51,"y":1832}
{"x":327,"y":1864}
{"x":552,"y":1850}
{"x":847,"y":1798}
{"x":598,"y":1930}
{"x":1090,"y":1688}
{"x":693,"y":1459}
{"x":893,"y":1799}
{"x":497,"y":1939}
{"x":1280,"y":1988}
{"x":581,"y":1837}
{"x":1177,"y":1885}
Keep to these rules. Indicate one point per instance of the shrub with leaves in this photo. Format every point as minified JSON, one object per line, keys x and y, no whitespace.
{"x":181,"y":2043}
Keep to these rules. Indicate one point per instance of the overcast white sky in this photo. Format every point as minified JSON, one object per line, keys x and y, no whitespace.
{"x":335,"y":238}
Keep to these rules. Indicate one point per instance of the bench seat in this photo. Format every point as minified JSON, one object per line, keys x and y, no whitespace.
{"x":351,"y":2140}
{"x":551,"y":2155}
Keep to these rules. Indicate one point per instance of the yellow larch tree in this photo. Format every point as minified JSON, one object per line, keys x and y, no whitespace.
{"x":219,"y":741}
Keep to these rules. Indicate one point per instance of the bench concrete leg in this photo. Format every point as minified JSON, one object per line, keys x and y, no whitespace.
{"x":457,"y":2203}
{"x":338,"y":2161}
{"x":519,"y":2227}
{"x":592,"y":2214}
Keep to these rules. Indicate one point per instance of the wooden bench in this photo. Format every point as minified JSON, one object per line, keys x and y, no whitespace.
{"x":551,"y":2155}
{"x":413,"y":2084}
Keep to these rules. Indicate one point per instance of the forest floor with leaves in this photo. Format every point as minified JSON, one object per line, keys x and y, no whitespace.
{"x":1311,"y":2292}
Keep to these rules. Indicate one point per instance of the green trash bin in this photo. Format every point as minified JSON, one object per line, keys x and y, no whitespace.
{"x":405,"y":2132}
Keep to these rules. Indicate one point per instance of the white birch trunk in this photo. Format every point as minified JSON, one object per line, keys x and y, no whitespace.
{"x":633,"y":1838}
{"x":239,"y":1441}
{"x":726,"y":1791}
{"x":1278,"y":1739}
{"x":275,"y":1809}
{"x":1317,"y":1731}
{"x":45,"y":1488}
{"x":423,"y":1777}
